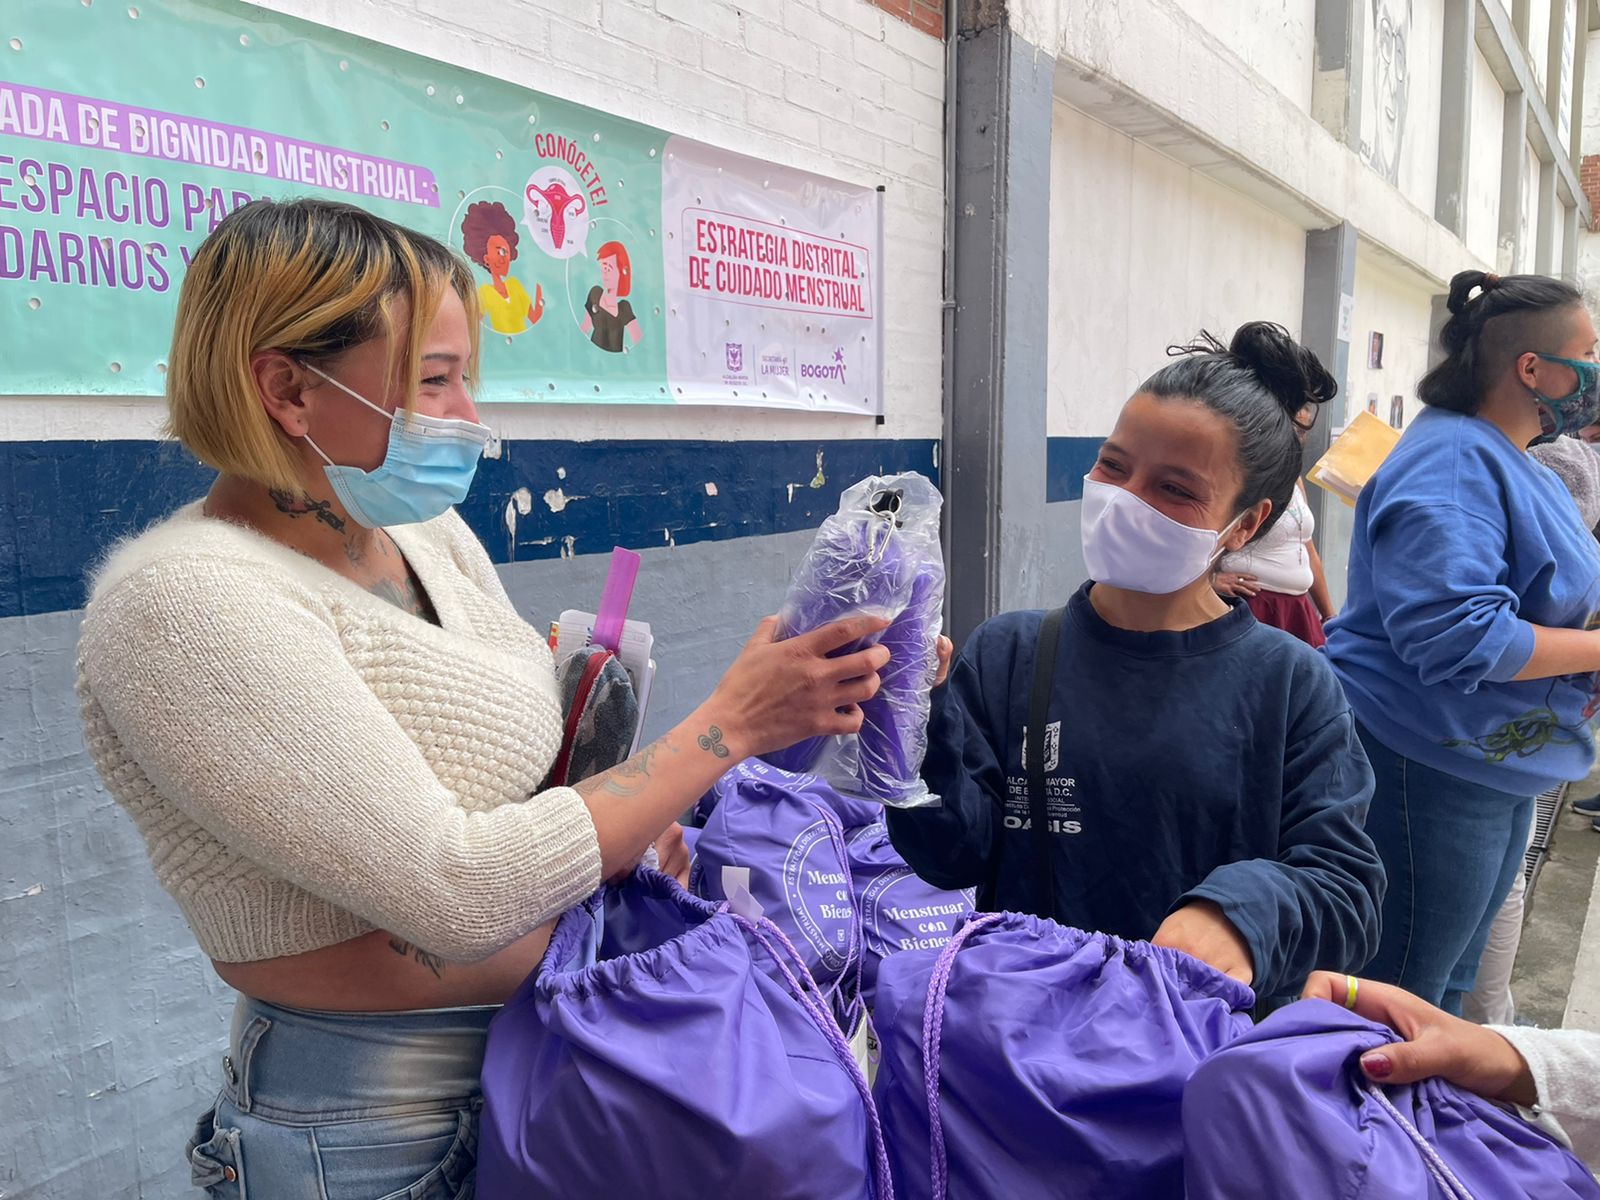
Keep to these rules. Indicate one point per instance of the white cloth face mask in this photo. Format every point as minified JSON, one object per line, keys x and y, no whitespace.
{"x":1128,"y":544}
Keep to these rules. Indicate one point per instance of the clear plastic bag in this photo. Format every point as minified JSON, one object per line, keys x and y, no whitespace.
{"x":878,"y":555}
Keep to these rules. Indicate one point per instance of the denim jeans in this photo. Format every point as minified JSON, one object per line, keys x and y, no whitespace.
{"x":344,"y":1106}
{"x":1451,"y":850}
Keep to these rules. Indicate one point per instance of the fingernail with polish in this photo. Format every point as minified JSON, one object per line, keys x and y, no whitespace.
{"x":1377,"y":1065}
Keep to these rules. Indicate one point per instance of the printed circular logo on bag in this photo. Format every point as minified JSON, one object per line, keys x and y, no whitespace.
{"x":901,"y":912}
{"x":816,"y":888}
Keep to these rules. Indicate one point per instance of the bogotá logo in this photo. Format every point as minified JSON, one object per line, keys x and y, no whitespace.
{"x":829,"y":370}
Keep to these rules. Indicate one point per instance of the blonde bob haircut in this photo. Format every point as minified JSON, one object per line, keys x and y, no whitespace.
{"x":309,"y":278}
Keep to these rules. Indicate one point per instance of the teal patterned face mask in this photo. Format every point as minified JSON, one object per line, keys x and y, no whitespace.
{"x":427,"y":469}
{"x":1570,"y":413}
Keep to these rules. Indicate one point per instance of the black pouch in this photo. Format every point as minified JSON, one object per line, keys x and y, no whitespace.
{"x":602,"y":714}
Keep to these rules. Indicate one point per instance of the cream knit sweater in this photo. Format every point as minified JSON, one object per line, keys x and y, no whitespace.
{"x":307,"y":762}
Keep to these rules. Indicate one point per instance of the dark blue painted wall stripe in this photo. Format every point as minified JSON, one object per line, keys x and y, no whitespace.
{"x":63,"y":503}
{"x":1067,"y":461}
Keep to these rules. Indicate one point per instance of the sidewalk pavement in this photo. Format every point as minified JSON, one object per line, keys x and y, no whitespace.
{"x":1557,"y":977}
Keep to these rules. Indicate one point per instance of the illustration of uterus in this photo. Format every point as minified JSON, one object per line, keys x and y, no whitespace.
{"x":560,"y":202}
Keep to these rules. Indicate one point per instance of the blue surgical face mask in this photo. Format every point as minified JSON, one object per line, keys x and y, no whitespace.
{"x":427,"y":469}
{"x":1571,"y":413}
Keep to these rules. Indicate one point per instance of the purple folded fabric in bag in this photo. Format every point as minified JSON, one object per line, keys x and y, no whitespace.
{"x":1029,"y":1059}
{"x":899,"y":911}
{"x":894,"y":723}
{"x":707,"y":1065}
{"x":1286,"y":1111}
{"x":784,"y":840}
{"x":878,"y":555}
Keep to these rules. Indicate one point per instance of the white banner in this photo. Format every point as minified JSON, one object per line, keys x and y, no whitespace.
{"x":773,"y":284}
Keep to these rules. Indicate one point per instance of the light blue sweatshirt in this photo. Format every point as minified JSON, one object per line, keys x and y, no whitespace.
{"x":1462,"y":544}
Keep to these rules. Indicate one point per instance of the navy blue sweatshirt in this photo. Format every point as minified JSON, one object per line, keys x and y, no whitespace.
{"x":1220,"y":764}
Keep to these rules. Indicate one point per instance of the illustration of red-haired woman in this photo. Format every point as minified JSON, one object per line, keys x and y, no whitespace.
{"x":608,"y":314}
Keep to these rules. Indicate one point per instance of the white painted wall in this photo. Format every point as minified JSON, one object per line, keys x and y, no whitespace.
{"x":1528,"y":219}
{"x":1483,"y":160}
{"x":1539,"y":40}
{"x":1145,"y":252}
{"x":1400,"y":111}
{"x":1563,"y":67}
{"x":1558,"y":237}
{"x":1588,"y":280}
{"x":1276,"y":38}
{"x":1590,"y":101}
{"x":831,"y":86}
{"x":1400,"y":307}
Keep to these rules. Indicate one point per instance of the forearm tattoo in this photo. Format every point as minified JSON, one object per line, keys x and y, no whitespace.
{"x":633,"y":777}
{"x":711,"y":741}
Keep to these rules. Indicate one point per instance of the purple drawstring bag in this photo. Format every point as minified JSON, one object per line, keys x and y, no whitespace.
{"x":852,"y":814}
{"x":899,"y":911}
{"x":1286,"y":1111}
{"x":879,"y":554}
{"x":1029,"y":1059}
{"x":780,"y":837}
{"x":707,"y":1065}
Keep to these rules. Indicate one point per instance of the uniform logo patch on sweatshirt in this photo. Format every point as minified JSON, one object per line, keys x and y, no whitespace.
{"x":1064,"y":815}
{"x":1052,"y":746}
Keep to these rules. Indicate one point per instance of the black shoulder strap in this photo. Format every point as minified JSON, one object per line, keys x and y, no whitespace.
{"x":1044,"y":678}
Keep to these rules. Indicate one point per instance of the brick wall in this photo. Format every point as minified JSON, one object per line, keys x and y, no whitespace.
{"x":1589,"y":177}
{"x":926,"y":15}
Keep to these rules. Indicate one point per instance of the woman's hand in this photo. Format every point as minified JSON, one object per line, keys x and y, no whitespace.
{"x":778,"y":693}
{"x":1436,"y":1044}
{"x":1199,"y":929}
{"x":672,"y":853}
{"x":946,"y":650}
{"x":1236,"y":584}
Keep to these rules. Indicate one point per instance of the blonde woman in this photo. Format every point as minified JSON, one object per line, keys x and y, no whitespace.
{"x":313,"y":696}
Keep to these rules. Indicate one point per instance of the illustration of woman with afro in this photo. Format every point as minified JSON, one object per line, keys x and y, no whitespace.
{"x":489,"y":237}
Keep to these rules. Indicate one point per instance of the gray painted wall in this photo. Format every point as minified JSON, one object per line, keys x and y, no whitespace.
{"x":112,"y":1024}
{"x":1064,"y":571}
{"x":1336,"y":526}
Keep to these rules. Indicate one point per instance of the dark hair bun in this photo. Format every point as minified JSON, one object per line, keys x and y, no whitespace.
{"x":1293,"y":374}
{"x":1463,"y":284}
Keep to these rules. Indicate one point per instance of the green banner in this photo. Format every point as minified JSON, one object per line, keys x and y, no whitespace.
{"x":616,"y":263}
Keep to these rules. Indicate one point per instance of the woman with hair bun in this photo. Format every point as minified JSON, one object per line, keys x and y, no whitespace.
{"x":1467,"y":645}
{"x":1198,"y":780}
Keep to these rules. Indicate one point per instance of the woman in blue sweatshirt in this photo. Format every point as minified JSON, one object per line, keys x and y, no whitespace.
{"x":1466,"y":646}
{"x":1200,"y":782}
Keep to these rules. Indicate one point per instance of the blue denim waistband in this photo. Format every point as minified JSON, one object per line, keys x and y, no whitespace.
{"x":291,"y":1065}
